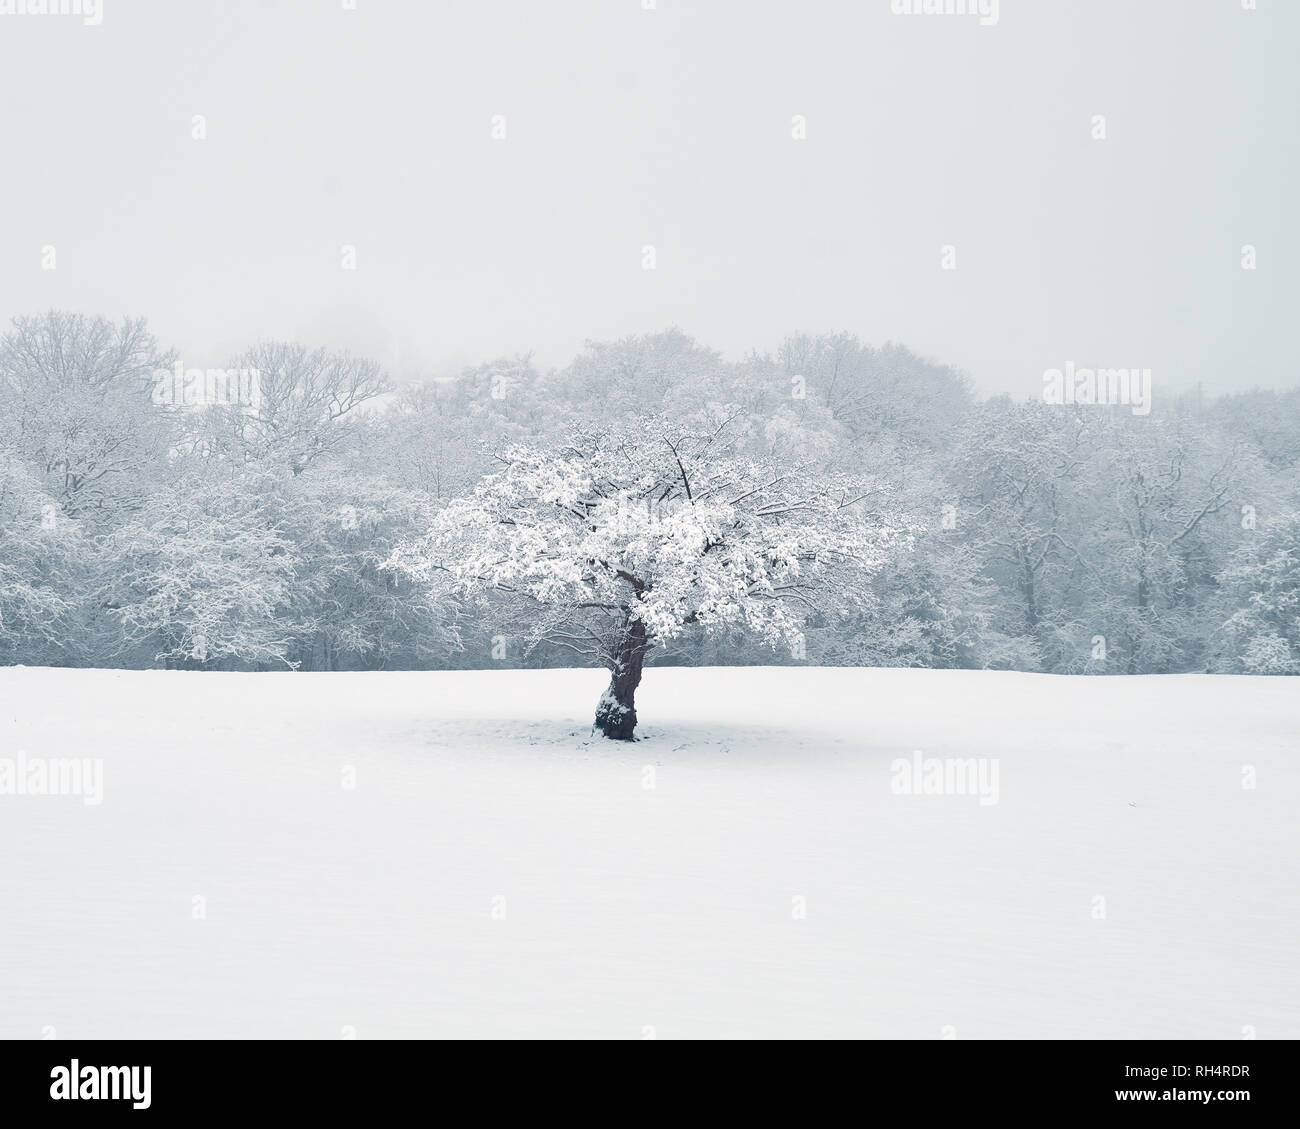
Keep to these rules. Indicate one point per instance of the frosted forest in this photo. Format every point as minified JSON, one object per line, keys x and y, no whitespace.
{"x":299,"y":510}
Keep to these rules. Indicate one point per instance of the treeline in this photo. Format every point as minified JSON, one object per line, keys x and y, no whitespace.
{"x":156,"y":516}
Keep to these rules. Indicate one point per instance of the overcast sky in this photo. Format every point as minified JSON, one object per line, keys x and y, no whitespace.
{"x":671,"y":128}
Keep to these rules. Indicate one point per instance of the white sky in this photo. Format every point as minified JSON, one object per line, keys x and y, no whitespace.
{"x":669,"y":127}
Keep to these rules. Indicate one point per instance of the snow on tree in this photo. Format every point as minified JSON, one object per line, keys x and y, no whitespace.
{"x":345,"y":607}
{"x":200,"y":573}
{"x":76,"y":397}
{"x":1166,"y":488}
{"x":1262,"y":585}
{"x":38,"y":572}
{"x":878,"y":393}
{"x":618,"y":540}
{"x":303,"y":399}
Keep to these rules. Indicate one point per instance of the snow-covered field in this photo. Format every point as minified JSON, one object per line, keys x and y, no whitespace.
{"x":747,"y":869}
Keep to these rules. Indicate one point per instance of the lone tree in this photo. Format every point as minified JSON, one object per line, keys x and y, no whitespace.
{"x":621,"y":539}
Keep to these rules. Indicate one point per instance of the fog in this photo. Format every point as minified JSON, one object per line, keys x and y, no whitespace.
{"x":670,"y":128}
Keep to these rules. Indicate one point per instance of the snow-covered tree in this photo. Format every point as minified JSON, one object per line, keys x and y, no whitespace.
{"x":201,"y":572}
{"x":38,"y":569}
{"x":617,"y":540}
{"x":1262,"y":586}
{"x":1164,"y":488}
{"x":345,"y":609}
{"x":255,"y":531}
{"x":877,"y":393}
{"x":1018,"y":468}
{"x":76,"y":396}
{"x":653,"y":373}
{"x":304,"y":400}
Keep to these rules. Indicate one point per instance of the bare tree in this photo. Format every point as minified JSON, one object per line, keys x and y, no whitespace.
{"x":303,"y":398}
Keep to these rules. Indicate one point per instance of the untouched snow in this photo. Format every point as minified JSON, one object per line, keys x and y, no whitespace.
{"x":632,"y":911}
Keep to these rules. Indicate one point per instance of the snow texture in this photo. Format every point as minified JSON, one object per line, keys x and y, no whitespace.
{"x":746,"y":869}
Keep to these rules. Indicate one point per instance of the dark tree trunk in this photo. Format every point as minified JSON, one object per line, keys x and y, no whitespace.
{"x":616,"y":710}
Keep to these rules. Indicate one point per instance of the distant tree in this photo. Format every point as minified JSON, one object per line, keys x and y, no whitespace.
{"x":876,"y":392}
{"x":345,"y":609}
{"x":1163,"y":486}
{"x":304,"y":399}
{"x":203,"y":575}
{"x":1262,"y":589}
{"x":1017,"y":472}
{"x":76,"y":394}
{"x":1270,"y":420}
{"x":40,"y":574}
{"x":647,"y":374}
{"x":424,"y":442}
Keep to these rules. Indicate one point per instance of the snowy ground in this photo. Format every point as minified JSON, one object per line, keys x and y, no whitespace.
{"x":764,"y":880}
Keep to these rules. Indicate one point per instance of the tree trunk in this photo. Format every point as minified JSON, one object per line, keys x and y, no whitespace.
{"x":616,"y":710}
